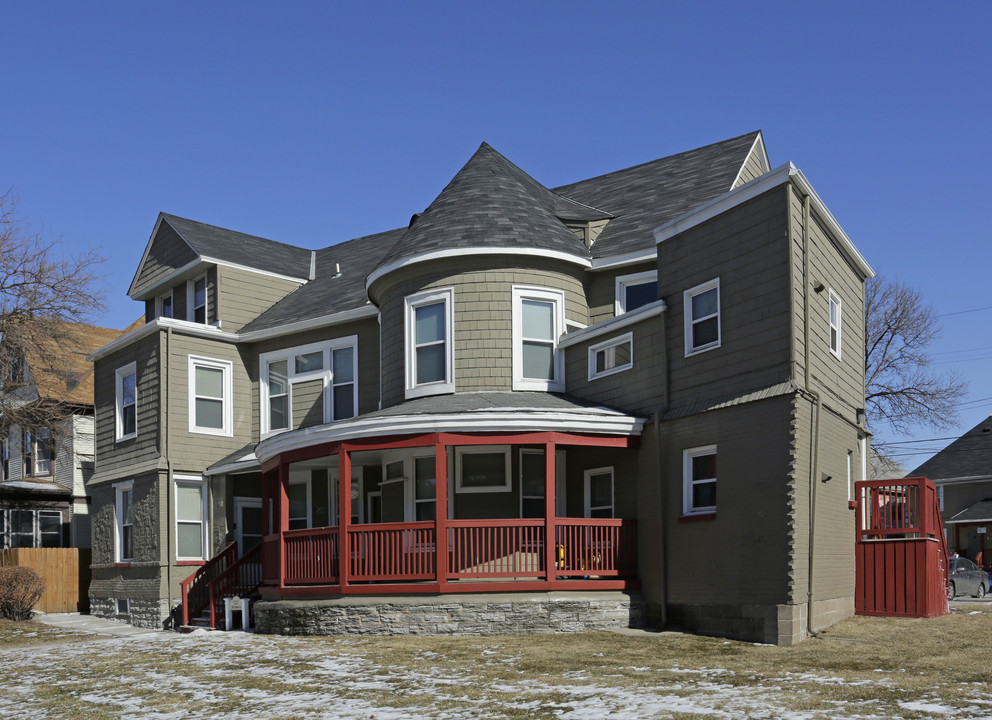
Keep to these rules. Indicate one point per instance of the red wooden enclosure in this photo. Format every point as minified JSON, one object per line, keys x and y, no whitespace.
{"x":901,"y":558}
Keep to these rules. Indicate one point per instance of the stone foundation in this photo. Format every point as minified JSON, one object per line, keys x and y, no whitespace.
{"x":497,"y":614}
{"x":151,"y":614}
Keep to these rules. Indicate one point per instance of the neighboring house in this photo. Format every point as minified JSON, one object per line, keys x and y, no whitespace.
{"x":962,"y":473}
{"x":525,"y":390}
{"x":43,"y":499}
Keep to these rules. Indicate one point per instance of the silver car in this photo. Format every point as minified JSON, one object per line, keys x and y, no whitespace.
{"x":966,"y":578}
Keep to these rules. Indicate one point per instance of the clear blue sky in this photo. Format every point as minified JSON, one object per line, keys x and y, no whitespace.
{"x":313,"y":123}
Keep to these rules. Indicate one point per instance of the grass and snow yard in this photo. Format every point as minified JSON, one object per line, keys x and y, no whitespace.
{"x":862,"y":668}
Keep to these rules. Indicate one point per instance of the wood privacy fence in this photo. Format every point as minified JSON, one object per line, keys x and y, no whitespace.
{"x":66,"y":572}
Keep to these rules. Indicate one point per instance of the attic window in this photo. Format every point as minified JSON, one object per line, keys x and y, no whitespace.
{"x":196,"y":300}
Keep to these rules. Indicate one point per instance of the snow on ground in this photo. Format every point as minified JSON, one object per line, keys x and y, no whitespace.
{"x":242,"y":676}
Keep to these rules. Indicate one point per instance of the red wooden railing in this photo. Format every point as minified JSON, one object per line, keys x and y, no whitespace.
{"x":596,"y":547}
{"x":311,"y":556}
{"x":195,"y":588}
{"x":495,"y":548}
{"x":240,"y":580}
{"x":392,"y":551}
{"x":901,"y":560}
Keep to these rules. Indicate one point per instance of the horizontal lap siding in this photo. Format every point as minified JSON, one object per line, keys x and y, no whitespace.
{"x":746,"y":248}
{"x":482,"y":316}
{"x":116,"y":458}
{"x":308,"y":403}
{"x":168,"y":253}
{"x":244,"y":295}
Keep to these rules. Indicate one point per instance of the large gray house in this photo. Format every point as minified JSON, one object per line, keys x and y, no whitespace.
{"x":636,"y":398}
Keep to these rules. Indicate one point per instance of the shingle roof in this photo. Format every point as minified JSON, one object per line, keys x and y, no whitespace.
{"x":469,"y":402}
{"x":235,"y":247}
{"x":646,"y":196}
{"x":970,"y":456}
{"x":329,"y":293}
{"x":981,"y":511}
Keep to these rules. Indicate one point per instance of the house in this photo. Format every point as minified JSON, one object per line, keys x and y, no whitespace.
{"x":504,"y":417}
{"x":962,"y":473}
{"x":45,"y":465}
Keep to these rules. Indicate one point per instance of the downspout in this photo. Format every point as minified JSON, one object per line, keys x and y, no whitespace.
{"x":815,"y":450}
{"x":169,"y":480}
{"x":661,"y":517}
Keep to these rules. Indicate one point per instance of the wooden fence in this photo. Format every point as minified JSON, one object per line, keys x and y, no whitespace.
{"x":66,"y":572}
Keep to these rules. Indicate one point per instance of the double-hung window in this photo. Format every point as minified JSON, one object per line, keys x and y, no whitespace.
{"x":636,"y":290}
{"x":125,"y":521}
{"x":699,"y":480}
{"x":163,"y":305}
{"x":538,"y":323}
{"x":599,"y":493}
{"x":196,"y":300}
{"x":429,"y":331}
{"x":127,"y":402}
{"x":835,"y":324}
{"x":36,"y":451}
{"x":611,"y":356}
{"x":210,"y":393}
{"x":311,"y":383}
{"x":702,"y":317}
{"x":191,"y":518}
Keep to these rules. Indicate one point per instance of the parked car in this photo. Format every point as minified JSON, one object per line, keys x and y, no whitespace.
{"x":966,"y":578}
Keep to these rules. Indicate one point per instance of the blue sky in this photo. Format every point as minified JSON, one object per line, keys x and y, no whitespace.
{"x":313,"y":123}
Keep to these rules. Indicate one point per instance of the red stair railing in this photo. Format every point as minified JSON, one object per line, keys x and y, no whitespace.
{"x":195,"y":588}
{"x":241,"y":579}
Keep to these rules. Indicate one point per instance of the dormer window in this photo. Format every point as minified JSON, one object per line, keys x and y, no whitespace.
{"x":196,"y":300}
{"x":163,"y":305}
{"x":429,"y":348}
{"x":636,"y":290}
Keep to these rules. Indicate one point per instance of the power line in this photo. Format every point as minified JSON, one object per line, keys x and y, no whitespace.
{"x":962,"y":312}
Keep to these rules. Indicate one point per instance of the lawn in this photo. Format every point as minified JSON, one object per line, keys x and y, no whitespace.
{"x":862,"y":668}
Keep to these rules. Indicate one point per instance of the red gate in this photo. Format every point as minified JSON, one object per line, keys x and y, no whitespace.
{"x":901,"y":558}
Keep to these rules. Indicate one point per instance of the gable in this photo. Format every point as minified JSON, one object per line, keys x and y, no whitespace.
{"x":166,"y":253}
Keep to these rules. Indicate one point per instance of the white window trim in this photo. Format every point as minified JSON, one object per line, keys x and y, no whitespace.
{"x":159,"y":303}
{"x":462,"y":450}
{"x":520,"y":472}
{"x":687,"y":313}
{"x":622,"y":281}
{"x":411,"y":303}
{"x":292,"y":377}
{"x":121,"y":373}
{"x":227,"y":415}
{"x":834,"y":298}
{"x":606,"y":346}
{"x":190,"y":299}
{"x":307,"y":482}
{"x":687,"y":455}
{"x":197,"y":481}
{"x":119,"y":490}
{"x":557,"y":297}
{"x":586,"y":479}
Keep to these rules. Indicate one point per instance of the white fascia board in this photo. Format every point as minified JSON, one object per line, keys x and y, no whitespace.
{"x":462,"y":252}
{"x":366,"y":311}
{"x":174,"y":276}
{"x":613,"y":324}
{"x":599,"y":421}
{"x":964,"y":480}
{"x":780,"y":175}
{"x":631,"y":258}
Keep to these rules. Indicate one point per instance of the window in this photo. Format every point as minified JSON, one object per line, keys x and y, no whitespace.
{"x":599,"y":493}
{"x":125,"y":522}
{"x":634,"y":291}
{"x":163,"y":305}
{"x":127,"y":402}
{"x":196,"y":300}
{"x":5,"y":457}
{"x":702,"y":317}
{"x":482,"y":468}
{"x":611,"y":356}
{"x":532,"y":469}
{"x":424,"y":488}
{"x":210,"y":396}
{"x":332,"y":363}
{"x":699,"y":480}
{"x":299,"y":505}
{"x":430,"y":351}
{"x":36,"y":450}
{"x":538,"y":322}
{"x":31,"y":528}
{"x":835,"y":324}
{"x":191,"y":519}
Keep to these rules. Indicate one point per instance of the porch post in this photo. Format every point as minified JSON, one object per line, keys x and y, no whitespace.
{"x":441,"y":510}
{"x":266,"y":503}
{"x":282,"y":521}
{"x":344,"y":515}
{"x":550,"y":551}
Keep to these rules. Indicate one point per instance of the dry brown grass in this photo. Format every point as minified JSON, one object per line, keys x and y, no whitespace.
{"x":864,"y":667}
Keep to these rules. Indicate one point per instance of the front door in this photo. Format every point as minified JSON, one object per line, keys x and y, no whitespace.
{"x":247,"y":523}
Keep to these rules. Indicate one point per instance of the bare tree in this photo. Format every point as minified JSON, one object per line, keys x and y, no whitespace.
{"x":901,"y":389}
{"x":44,"y":290}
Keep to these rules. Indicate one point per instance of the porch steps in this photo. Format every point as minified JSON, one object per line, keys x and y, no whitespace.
{"x":200,"y":622}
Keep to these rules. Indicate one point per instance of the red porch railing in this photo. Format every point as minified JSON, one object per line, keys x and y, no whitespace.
{"x":901,"y":560}
{"x":395,"y":553}
{"x":196,"y":588}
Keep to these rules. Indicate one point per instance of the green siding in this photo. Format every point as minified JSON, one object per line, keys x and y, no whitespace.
{"x":168,"y":252}
{"x":244,"y":295}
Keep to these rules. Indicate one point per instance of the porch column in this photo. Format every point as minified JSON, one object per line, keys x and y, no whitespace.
{"x":266,"y":503}
{"x":441,"y":510}
{"x":550,"y":550}
{"x":344,"y":514}
{"x":282,"y":518}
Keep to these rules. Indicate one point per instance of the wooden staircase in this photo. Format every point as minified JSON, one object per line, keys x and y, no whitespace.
{"x":223,"y":576}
